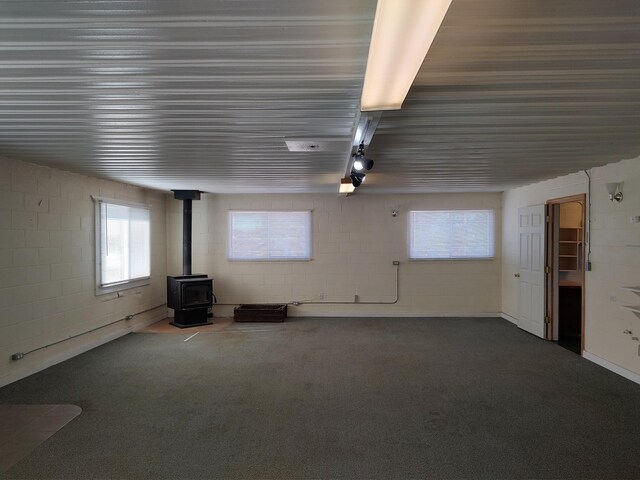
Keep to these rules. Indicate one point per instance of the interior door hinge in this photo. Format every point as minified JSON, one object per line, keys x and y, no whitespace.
{"x":548,"y":218}
{"x":547,"y":320}
{"x":547,"y":269}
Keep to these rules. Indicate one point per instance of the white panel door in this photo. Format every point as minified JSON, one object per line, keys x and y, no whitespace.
{"x":531,"y":221}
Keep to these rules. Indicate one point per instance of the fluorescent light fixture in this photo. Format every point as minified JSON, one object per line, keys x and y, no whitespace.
{"x":346,"y":187}
{"x":403,"y":31}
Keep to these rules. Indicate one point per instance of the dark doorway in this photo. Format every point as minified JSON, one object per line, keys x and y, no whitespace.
{"x":565,"y":279}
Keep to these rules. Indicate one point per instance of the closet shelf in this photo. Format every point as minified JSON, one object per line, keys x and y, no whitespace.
{"x":633,"y":308}
{"x":564,"y":283}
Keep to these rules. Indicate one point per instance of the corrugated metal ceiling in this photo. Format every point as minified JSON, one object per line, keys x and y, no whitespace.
{"x":513,"y":92}
{"x":203,"y":94}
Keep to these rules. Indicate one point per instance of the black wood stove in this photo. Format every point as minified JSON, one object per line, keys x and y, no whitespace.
{"x":190,"y":295}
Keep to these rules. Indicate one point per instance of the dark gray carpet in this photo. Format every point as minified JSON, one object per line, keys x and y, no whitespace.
{"x":24,"y":427}
{"x":336,"y":398}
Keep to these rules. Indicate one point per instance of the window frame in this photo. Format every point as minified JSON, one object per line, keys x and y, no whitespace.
{"x":410,"y":227}
{"x":125,"y":284}
{"x":297,"y":259}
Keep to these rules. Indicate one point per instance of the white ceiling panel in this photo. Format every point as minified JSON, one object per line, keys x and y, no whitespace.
{"x":202,"y":94}
{"x":514,"y":92}
{"x":184,"y":95}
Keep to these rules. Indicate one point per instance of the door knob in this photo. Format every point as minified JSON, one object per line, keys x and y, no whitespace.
{"x":517,"y":275}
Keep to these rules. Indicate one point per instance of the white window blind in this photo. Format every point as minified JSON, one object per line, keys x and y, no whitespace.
{"x":451,"y":234}
{"x":269,"y":235}
{"x":125,"y":244}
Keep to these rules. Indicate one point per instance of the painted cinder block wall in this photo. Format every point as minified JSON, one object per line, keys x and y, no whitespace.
{"x":355,"y":241}
{"x":47,"y":260}
{"x":47,"y":266}
{"x":615,"y":257}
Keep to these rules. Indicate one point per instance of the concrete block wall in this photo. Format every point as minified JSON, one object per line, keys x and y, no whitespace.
{"x":615,"y":257}
{"x":355,"y":241}
{"x":47,"y":266}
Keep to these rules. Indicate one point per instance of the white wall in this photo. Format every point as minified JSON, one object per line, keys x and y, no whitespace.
{"x":47,"y":266}
{"x":614,"y":263}
{"x":355,"y":241}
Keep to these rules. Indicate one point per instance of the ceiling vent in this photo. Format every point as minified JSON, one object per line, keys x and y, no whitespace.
{"x":324,"y":145}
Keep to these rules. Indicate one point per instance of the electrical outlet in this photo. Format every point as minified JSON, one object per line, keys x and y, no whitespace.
{"x":396,"y":262}
{"x":613,"y":298}
{"x":321,"y":296}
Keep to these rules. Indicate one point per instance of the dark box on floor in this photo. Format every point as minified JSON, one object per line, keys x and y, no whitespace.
{"x":260,"y":313}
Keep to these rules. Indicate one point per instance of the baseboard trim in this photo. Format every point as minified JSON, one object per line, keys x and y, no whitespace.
{"x":79,"y":349}
{"x":509,"y":318}
{"x":351,"y":314}
{"x":628,"y":374}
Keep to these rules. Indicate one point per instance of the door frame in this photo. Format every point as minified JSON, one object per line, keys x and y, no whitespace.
{"x":552,"y":247}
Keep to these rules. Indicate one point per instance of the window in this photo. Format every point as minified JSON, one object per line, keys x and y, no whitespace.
{"x":451,"y":234}
{"x":123,"y":246}
{"x":269,"y":235}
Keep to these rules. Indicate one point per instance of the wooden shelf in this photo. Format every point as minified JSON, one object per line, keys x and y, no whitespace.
{"x":633,"y":289}
{"x":570,"y":249}
{"x":569,"y":284}
{"x":633,"y":308}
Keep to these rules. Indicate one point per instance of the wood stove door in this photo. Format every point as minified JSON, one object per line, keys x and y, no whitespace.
{"x":196,"y":295}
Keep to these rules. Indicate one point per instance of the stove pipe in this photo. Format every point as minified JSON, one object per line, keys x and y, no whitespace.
{"x":187,"y":196}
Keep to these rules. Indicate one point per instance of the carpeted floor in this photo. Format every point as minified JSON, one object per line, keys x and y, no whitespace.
{"x":350,"y":398}
{"x":24,"y":427}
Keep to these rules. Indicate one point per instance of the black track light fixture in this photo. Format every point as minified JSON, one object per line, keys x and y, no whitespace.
{"x":360,"y":162}
{"x":357,"y":178}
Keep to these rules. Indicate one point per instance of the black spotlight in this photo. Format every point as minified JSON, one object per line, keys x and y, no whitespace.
{"x":357,"y":178}
{"x":361,"y":163}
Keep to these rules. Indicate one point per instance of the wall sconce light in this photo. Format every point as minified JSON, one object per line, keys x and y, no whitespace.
{"x":615,"y":191}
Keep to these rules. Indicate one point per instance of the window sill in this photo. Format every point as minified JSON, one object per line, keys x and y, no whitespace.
{"x":117,"y":287}
{"x":269,"y":260}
